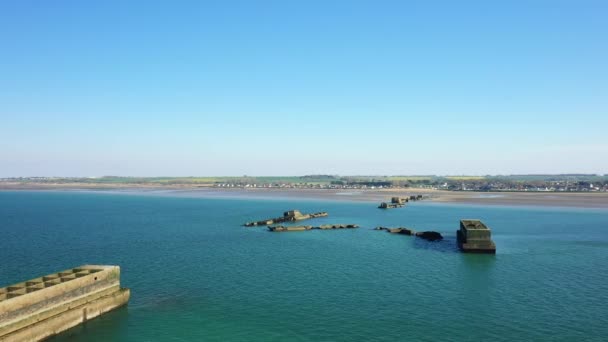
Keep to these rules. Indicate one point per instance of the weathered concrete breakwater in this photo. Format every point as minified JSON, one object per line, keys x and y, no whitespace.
{"x":396,"y":202}
{"x":385,"y":205}
{"x":399,"y":202}
{"x":400,"y":230}
{"x":473,"y":237}
{"x":39,"y":308}
{"x":429,"y":235}
{"x":288,"y":216}
{"x":302,"y":228}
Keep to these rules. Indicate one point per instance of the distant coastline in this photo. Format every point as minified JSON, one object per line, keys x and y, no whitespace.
{"x":549,"y":199}
{"x":502,"y":183}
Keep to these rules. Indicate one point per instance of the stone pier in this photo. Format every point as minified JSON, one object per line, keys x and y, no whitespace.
{"x":42,"y":307}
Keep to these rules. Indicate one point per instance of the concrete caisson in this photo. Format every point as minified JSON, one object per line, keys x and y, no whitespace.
{"x":42,"y":307}
{"x":475,"y":237}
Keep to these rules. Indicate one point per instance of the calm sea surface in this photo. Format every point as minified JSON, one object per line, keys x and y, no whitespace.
{"x":197,"y":275}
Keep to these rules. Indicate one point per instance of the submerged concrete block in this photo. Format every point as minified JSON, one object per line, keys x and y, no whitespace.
{"x":303,"y":228}
{"x":385,"y":205}
{"x":288,"y":216}
{"x":399,"y":200}
{"x":430,"y":235}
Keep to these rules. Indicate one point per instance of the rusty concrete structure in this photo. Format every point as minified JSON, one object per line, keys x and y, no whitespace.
{"x":288,"y":216}
{"x":400,"y":230}
{"x":475,"y":237}
{"x":385,"y":205}
{"x":42,"y":307}
{"x":399,"y":200}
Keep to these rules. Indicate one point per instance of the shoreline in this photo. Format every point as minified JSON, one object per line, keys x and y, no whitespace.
{"x":596,"y":200}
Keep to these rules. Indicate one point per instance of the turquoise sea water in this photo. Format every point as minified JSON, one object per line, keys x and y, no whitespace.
{"x":197,"y":275}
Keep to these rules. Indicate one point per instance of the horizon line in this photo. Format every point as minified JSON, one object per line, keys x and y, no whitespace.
{"x":326,"y":175}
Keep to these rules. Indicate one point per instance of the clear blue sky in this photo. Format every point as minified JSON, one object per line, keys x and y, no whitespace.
{"x":303,"y":87}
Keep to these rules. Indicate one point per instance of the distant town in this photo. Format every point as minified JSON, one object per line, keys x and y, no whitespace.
{"x":528,"y":183}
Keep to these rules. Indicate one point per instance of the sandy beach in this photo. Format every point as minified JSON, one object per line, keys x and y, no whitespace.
{"x":550,"y":199}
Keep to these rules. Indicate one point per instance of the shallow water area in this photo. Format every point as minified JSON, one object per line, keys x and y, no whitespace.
{"x":197,"y":274}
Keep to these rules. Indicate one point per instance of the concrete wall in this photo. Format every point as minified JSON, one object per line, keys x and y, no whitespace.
{"x":44,"y":306}
{"x":478,"y":234}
